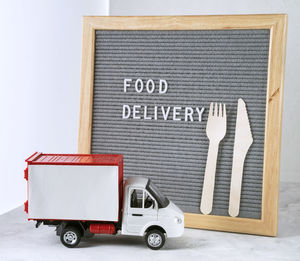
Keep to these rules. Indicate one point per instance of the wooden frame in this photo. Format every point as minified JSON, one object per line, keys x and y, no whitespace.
{"x":277,"y":23}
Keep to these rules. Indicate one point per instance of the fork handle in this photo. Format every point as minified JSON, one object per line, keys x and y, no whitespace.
{"x":209,"y":178}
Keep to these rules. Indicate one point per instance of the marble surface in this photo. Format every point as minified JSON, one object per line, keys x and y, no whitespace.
{"x":20,"y":240}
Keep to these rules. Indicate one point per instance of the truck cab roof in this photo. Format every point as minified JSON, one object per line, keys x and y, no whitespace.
{"x":137,"y":181}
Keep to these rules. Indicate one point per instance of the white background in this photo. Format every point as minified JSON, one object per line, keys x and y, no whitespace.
{"x":40,"y":59}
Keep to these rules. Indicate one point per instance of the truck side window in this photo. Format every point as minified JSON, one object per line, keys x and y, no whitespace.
{"x":136,"y":198}
{"x":148,"y":201}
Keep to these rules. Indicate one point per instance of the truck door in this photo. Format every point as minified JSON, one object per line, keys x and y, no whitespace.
{"x":142,"y":208}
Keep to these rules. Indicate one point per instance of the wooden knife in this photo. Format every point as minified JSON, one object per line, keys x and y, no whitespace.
{"x":242,"y":142}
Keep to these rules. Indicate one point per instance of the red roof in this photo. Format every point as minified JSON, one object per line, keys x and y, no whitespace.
{"x":74,"y":159}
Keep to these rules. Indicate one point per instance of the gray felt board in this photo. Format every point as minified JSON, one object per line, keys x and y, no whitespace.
{"x":200,"y":67}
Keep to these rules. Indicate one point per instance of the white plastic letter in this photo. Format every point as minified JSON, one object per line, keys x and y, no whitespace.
{"x":163,"y":86}
{"x":155,"y":112}
{"x":189,"y":113}
{"x":165,"y":113}
{"x":126,"y":112}
{"x":126,"y":84}
{"x":135,"y":111}
{"x":200,"y":112}
{"x":145,"y":114}
{"x":150,"y":82}
{"x":176,"y":113}
{"x":138,"y":83}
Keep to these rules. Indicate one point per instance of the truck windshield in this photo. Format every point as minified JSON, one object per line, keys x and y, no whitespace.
{"x":160,"y":198}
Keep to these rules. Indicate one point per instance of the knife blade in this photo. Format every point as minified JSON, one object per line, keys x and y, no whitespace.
{"x":242,"y":142}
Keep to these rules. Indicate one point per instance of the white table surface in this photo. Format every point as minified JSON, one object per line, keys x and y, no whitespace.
{"x":20,"y":240}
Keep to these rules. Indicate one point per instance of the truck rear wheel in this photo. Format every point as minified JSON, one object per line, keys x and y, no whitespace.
{"x":70,"y":237}
{"x":155,"y":239}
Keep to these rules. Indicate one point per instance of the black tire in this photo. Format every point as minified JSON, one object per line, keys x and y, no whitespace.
{"x":70,"y":237}
{"x":155,"y":239}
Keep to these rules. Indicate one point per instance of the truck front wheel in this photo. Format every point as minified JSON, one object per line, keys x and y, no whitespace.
{"x":70,"y":237}
{"x":155,"y":239}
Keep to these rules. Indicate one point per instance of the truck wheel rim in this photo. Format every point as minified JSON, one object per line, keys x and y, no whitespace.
{"x":154,"y":240}
{"x":70,"y":237}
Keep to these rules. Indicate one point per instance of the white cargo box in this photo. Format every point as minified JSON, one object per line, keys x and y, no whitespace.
{"x":73,"y":192}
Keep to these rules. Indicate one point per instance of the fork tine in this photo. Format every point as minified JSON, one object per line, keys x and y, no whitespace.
{"x":216,"y":110}
{"x":210,"y":114}
{"x":220,"y":110}
{"x":224,"y":110}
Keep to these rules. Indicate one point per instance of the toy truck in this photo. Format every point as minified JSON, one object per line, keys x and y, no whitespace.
{"x":84,"y":194}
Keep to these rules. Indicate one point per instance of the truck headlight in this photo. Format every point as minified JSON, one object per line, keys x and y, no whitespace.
{"x":178,"y":220}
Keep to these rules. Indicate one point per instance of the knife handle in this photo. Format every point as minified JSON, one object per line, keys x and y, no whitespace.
{"x":236,"y":184}
{"x":209,"y":178}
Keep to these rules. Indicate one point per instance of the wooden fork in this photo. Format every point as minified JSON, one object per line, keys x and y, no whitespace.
{"x":215,"y":131}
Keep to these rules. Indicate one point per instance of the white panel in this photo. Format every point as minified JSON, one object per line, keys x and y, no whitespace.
{"x":73,"y":192}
